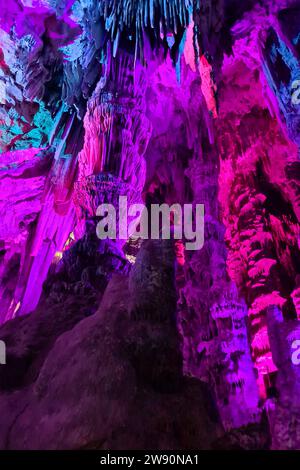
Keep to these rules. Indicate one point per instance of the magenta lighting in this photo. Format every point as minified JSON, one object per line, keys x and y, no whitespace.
{"x":149,"y":227}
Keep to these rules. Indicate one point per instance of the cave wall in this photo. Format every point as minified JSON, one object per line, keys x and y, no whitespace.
{"x":165,"y":102}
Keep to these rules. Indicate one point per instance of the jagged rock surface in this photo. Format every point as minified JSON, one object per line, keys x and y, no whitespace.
{"x":112,"y":381}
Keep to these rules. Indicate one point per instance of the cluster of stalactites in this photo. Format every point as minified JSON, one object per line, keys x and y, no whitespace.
{"x":159,"y":16}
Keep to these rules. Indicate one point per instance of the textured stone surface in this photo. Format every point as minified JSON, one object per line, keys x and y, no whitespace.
{"x":113,"y":381}
{"x":166,"y":102}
